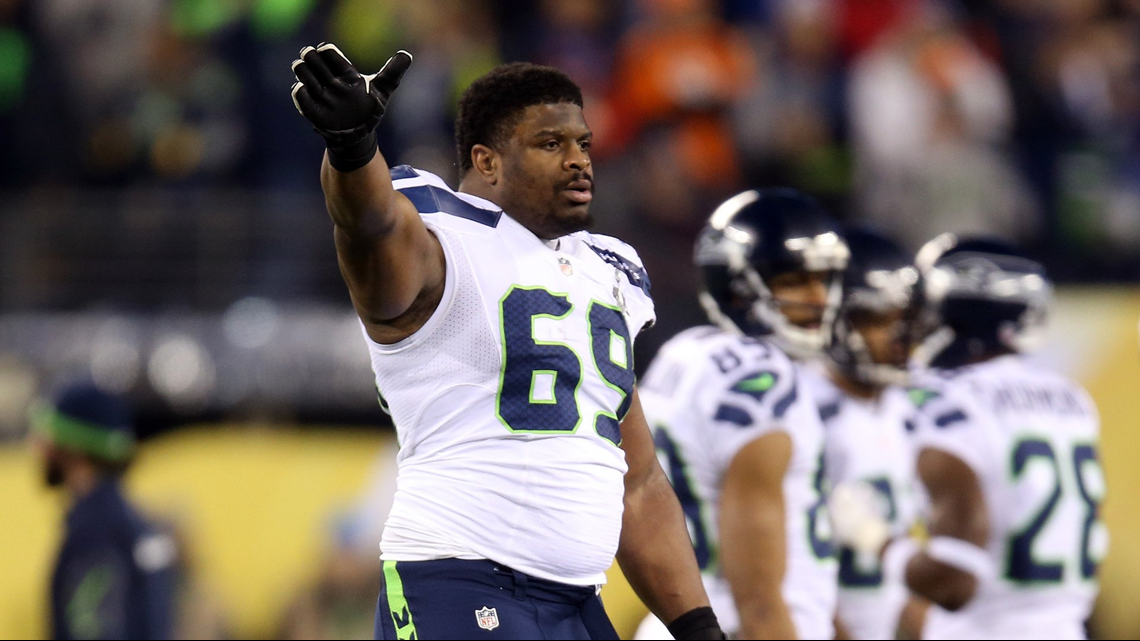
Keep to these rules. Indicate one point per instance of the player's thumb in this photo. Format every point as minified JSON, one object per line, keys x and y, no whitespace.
{"x":385,"y":81}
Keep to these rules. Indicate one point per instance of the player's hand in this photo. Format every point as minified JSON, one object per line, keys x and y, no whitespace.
{"x":859,"y":518}
{"x":343,"y":105}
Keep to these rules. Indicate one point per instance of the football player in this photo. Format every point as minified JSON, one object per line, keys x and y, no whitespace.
{"x":865,"y":411}
{"x":1007,"y":454}
{"x":501,"y":335}
{"x":735,"y":425}
{"x":114,"y":574}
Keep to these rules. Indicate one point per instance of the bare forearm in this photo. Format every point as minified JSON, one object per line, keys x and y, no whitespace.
{"x":753,"y":536}
{"x":958,"y":514}
{"x":754,"y":561}
{"x":942,"y":584}
{"x":655,"y":552}
{"x":767,"y":620}
{"x":913,"y":618}
{"x":360,"y":202}
{"x":841,"y":632}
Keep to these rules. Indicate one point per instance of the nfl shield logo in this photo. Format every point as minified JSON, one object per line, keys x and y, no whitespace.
{"x":487,"y":618}
{"x":565,"y":266}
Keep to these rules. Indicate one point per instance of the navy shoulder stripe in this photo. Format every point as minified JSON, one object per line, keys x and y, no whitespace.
{"x":950,"y":418}
{"x":430,"y":199}
{"x":782,"y":405}
{"x":829,"y":411}
{"x":403,"y":171}
{"x":637,"y":276}
{"x":734,"y":415}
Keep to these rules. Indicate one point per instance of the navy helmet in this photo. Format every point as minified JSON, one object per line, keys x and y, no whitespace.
{"x":83,"y":418}
{"x":880,"y":279}
{"x":754,"y":237}
{"x":982,"y":297}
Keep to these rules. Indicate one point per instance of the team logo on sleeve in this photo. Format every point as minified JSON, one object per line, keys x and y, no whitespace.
{"x":487,"y":618}
{"x":756,"y":385}
{"x":920,"y":396}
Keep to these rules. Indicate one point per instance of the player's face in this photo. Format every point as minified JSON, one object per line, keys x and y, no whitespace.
{"x":547,"y":180}
{"x":802,"y":297}
{"x":885,"y":335}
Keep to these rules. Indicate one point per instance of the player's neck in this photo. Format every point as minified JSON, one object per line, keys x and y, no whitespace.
{"x":81,"y":479}
{"x":990,"y":356}
{"x":854,"y":388}
{"x":471,"y":184}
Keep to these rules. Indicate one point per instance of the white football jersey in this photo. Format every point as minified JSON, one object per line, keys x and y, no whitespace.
{"x":1031,"y":437}
{"x":867,"y":440}
{"x":507,"y":401}
{"x":707,"y":395}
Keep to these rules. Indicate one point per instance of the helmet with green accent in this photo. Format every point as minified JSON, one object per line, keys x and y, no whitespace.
{"x":82,"y":418}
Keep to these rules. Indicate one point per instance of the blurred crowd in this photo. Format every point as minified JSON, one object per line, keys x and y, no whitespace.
{"x":1016,"y":117}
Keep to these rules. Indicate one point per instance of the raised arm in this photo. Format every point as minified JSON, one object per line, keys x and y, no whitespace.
{"x":392,"y":264}
{"x":655,"y":552}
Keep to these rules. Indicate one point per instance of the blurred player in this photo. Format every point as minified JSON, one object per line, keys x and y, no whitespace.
{"x":735,"y":425}
{"x":113,"y":577}
{"x":1008,"y":456}
{"x":501,"y":335}
{"x":865,"y":410}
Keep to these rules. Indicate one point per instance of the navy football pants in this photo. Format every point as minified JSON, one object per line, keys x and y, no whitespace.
{"x":457,"y":599}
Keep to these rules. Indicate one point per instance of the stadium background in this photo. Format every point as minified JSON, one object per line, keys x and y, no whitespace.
{"x":162,"y":230}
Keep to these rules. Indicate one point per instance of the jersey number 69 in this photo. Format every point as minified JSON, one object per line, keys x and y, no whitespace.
{"x":540,"y":380}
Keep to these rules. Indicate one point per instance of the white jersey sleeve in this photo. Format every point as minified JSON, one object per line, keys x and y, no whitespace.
{"x":630,"y":279}
{"x":748,"y":404}
{"x":945,"y":421}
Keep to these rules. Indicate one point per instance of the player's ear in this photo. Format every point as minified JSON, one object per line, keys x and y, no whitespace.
{"x":487,"y":163}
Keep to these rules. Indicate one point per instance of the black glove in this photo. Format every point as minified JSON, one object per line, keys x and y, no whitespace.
{"x":343,"y":105}
{"x":698,"y":624}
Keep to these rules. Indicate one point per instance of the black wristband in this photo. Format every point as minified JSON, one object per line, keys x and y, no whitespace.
{"x":346,"y":158}
{"x":697,"y":624}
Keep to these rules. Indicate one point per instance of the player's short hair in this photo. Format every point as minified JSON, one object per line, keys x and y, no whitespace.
{"x":490,"y":107}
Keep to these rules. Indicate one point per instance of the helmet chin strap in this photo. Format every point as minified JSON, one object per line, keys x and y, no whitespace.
{"x":1025,"y":335}
{"x":719,"y":318}
{"x":885,"y":375}
{"x":932,"y":346}
{"x":1022,"y":340}
{"x":867,"y":371}
{"x":798,"y":342}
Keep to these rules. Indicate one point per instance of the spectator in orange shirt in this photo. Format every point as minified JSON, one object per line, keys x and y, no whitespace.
{"x":683,"y":67}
